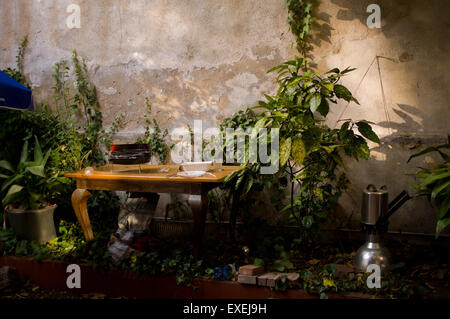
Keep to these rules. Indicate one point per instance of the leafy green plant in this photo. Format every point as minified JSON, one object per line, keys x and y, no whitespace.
{"x":73,"y":144}
{"x":84,"y":101}
{"x":310,"y":152}
{"x":300,"y":20}
{"x":61,"y":90}
{"x":27,"y":187}
{"x":17,"y":72}
{"x":283,"y":263}
{"x":435,"y":183}
{"x":155,"y":137}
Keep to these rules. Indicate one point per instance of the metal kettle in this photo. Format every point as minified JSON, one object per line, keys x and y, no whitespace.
{"x":375,"y":213}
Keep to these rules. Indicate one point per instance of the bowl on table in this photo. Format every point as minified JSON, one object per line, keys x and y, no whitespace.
{"x":128,"y":154}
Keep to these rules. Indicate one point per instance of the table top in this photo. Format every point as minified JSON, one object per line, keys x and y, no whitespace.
{"x":147,"y":172}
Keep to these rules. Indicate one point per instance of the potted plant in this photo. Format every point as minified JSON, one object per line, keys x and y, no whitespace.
{"x":27,"y":191}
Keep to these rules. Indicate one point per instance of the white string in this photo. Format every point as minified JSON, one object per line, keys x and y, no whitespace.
{"x":357,"y":88}
{"x":386,"y":112}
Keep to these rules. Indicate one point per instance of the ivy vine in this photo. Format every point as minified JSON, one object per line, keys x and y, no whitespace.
{"x":300,"y":20}
{"x":17,"y":72}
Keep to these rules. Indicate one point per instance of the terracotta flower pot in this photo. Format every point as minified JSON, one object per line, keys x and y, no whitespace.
{"x":35,"y":225}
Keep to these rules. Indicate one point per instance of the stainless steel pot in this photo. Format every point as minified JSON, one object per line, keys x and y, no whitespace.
{"x":374,"y":204}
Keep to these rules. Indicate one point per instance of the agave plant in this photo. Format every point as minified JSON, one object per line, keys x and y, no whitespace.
{"x":26,"y":186}
{"x":435,"y":183}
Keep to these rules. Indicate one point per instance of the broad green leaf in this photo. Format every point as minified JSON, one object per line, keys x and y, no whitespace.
{"x":441,"y":224}
{"x":239,"y":181}
{"x":13,"y":190}
{"x":348,"y":69}
{"x":291,"y":62}
{"x":343,"y":93}
{"x":269,"y":98}
{"x":231,"y":176}
{"x":45,"y":159}
{"x":314,"y":102}
{"x":258,"y":126}
{"x":285,"y":208}
{"x":280,"y":114}
{"x":298,"y":151}
{"x":345,"y":127}
{"x":11,"y":181}
{"x":434,"y":177}
{"x":37,"y":151}
{"x":248,"y":184}
{"x":427,"y":150}
{"x":4,"y":176}
{"x":6,"y":165}
{"x":324,"y":107}
{"x":437,"y":189}
{"x":335,"y":70}
{"x":278,"y":67}
{"x":285,"y":150}
{"x":366,"y":130}
{"x":364,"y":150}
{"x":24,"y":154}
{"x":36,"y":170}
{"x":444,"y":207}
{"x":444,"y":156}
{"x":294,"y":83}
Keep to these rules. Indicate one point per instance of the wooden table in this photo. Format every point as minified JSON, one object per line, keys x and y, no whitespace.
{"x":144,"y":178}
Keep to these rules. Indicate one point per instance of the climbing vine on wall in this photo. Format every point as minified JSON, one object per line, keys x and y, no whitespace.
{"x":155,"y":137}
{"x":17,"y":72}
{"x":300,"y":20}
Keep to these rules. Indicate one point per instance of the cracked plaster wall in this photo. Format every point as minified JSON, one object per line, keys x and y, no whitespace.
{"x":207,"y":59}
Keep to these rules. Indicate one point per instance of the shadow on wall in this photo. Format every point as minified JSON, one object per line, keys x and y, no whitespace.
{"x":388,"y":166}
{"x":391,"y":12}
{"x":415,"y":34}
{"x":320,"y":30}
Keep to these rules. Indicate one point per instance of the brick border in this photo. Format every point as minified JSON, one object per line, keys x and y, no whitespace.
{"x":51,"y":274}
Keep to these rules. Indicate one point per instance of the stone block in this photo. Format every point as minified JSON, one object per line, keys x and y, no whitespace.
{"x":270,"y":279}
{"x":248,"y":280}
{"x":251,"y":270}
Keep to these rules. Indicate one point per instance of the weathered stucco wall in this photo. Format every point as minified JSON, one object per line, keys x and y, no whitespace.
{"x":207,"y":59}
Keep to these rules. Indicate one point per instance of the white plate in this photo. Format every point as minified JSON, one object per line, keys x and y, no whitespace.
{"x":191,"y":173}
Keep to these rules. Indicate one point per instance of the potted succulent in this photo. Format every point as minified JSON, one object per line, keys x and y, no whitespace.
{"x":26,"y":192}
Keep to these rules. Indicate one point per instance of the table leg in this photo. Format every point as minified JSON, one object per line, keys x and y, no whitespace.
{"x":79,"y":203}
{"x":199,"y":211}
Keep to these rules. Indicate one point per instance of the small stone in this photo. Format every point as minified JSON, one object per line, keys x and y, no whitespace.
{"x":248,"y":280}
{"x":251,"y":270}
